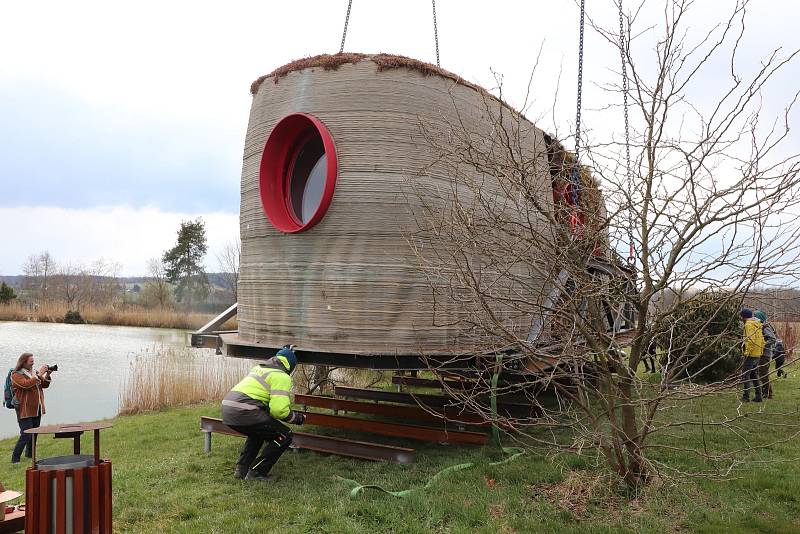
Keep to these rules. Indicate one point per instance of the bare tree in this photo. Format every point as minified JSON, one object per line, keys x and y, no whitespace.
{"x":157,"y":289}
{"x":99,"y":284}
{"x":68,"y":286}
{"x":38,"y":270}
{"x":700,"y":212}
{"x":228,"y":262}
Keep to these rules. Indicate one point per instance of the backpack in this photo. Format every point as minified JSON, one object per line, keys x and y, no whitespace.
{"x":9,"y":399}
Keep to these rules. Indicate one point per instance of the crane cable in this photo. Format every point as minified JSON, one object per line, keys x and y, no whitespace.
{"x":346,"y":22}
{"x":628,"y":173}
{"x":575,"y":176}
{"x":435,"y":29}
{"x":435,"y":32}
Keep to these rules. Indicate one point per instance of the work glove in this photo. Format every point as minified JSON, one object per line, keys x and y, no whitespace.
{"x":296,"y":418}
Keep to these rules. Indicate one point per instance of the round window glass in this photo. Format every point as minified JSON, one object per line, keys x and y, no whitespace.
{"x":307,"y":179}
{"x":298,"y":172}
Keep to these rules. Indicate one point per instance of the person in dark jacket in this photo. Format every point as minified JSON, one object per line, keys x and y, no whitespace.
{"x":765,"y":361}
{"x":257,"y":407}
{"x":28,"y":386}
{"x":650,"y":357}
{"x":779,"y":355}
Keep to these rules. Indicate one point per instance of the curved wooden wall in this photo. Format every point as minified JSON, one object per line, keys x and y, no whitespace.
{"x":350,"y":284}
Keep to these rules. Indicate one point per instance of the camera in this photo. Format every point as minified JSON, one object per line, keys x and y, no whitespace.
{"x":52,"y":368}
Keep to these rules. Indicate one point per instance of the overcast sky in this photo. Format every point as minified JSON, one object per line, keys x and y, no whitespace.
{"x":118,"y":120}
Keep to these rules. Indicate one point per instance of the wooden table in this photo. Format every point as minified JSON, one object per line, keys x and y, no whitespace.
{"x":14,"y":522}
{"x":74,"y":431}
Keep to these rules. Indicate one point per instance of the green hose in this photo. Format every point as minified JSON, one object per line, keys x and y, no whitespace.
{"x":356,"y":489}
{"x":514,"y":452}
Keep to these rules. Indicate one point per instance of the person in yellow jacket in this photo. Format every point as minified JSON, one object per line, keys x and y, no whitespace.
{"x":256,"y":407}
{"x":752,"y":350}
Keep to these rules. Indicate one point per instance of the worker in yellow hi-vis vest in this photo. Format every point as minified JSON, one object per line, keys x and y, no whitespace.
{"x":752,"y":350}
{"x":255,"y":407}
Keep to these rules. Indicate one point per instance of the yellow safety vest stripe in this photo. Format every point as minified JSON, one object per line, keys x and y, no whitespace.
{"x":270,"y":386}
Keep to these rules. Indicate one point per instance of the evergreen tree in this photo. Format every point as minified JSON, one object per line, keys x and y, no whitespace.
{"x":6,"y":293}
{"x":184,"y":263}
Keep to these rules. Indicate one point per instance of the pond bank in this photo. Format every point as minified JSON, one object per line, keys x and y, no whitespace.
{"x":54,"y":312}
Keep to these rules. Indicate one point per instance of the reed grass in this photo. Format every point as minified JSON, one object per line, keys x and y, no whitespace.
{"x":168,"y":377}
{"x":53,"y":312}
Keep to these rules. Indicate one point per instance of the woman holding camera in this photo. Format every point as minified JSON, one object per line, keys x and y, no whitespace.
{"x":28,"y":386}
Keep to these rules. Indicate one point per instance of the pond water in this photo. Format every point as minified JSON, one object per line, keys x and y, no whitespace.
{"x":92,"y":363}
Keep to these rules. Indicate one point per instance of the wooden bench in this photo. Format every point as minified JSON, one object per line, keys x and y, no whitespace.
{"x":322,"y":444}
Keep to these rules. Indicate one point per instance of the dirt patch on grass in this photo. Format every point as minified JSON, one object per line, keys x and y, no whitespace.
{"x":576,"y":492}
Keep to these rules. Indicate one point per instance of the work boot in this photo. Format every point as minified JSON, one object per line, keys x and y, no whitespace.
{"x":239,"y":472}
{"x":757,"y":399}
{"x":745,"y":399}
{"x":258,"y":477}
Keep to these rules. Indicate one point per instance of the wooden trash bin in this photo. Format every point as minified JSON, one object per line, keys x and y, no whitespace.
{"x":69,"y":494}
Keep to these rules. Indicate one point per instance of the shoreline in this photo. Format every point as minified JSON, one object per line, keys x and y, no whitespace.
{"x":110,"y":316}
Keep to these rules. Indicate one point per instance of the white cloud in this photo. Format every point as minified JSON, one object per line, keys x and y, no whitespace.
{"x":122,"y":234}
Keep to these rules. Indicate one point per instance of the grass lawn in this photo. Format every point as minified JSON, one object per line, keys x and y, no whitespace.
{"x":163,"y":482}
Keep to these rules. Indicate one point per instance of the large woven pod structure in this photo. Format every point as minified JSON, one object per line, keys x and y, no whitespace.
{"x":347,"y":281}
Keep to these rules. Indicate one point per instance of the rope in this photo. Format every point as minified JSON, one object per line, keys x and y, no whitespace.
{"x":628,"y":174}
{"x":435,"y":32}
{"x":357,"y":489}
{"x":575,"y":176}
{"x":346,"y":22}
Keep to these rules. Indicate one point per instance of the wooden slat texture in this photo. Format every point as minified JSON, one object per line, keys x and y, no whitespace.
{"x":350,"y":284}
{"x":31,"y":488}
{"x":105,"y":502}
{"x":94,"y":499}
{"x":79,"y":500}
{"x":61,"y":502}
{"x":44,"y":512}
{"x":44,"y":516}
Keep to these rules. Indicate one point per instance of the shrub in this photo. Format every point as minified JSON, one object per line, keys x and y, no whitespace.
{"x":703,"y":336}
{"x":73,"y":317}
{"x":6,"y":293}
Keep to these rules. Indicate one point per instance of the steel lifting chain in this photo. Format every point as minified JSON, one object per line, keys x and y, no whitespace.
{"x":435,"y":32}
{"x":575,"y":175}
{"x":346,"y":22}
{"x":628,"y":173}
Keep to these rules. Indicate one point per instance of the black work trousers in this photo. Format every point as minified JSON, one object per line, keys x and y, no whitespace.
{"x":750,"y":376}
{"x":273,"y":435}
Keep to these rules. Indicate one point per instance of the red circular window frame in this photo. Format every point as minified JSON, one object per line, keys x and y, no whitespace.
{"x":277,"y":162}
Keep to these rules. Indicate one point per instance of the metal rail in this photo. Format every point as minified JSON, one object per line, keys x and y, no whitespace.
{"x":436,"y":401}
{"x":430,"y":382}
{"x":323,"y":444}
{"x":207,"y":337}
{"x":422,"y":433}
{"x":408,"y":413}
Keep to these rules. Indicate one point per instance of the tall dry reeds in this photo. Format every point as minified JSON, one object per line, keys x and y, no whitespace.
{"x":54,"y":311}
{"x":168,"y":376}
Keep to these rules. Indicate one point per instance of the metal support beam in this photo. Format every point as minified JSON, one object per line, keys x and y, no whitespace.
{"x":322,"y":444}
{"x":435,"y":401}
{"x":430,"y":382}
{"x":398,"y":430}
{"x":407,"y":413}
{"x":207,"y":336}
